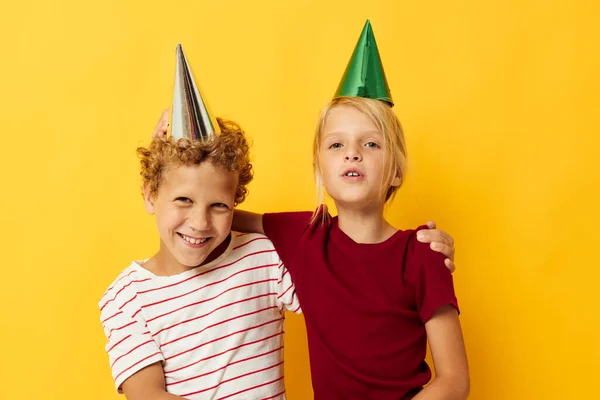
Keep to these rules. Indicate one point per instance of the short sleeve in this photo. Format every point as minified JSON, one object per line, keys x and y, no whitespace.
{"x":284,"y":230}
{"x":431,"y":279}
{"x":130,"y":345}
{"x":286,"y":292}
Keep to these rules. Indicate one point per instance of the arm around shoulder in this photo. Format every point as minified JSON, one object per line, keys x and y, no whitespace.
{"x":247,"y":222}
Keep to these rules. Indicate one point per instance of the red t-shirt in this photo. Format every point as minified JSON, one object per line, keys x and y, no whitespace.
{"x":365,"y":305}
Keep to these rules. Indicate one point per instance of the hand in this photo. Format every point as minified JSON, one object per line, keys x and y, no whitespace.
{"x":440,"y":242}
{"x":162,"y":125}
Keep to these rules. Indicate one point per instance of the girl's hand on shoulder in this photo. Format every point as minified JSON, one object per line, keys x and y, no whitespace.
{"x":162,"y":125}
{"x":440,"y":241}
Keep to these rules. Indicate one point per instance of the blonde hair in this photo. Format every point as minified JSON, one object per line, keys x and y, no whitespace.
{"x":386,"y":121}
{"x":229,"y":150}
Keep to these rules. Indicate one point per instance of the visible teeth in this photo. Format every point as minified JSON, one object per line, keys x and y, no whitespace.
{"x":192,"y":240}
{"x":352,"y":174}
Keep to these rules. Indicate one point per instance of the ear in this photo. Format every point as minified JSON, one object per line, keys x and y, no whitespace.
{"x":397,"y":180}
{"x":149,"y":200}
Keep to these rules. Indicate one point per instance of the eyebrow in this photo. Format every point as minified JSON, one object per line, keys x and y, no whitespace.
{"x":369,"y":132}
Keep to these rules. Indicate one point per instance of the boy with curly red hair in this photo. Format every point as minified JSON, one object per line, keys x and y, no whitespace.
{"x":202,"y":318}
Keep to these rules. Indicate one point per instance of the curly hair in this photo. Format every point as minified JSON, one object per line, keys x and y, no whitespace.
{"x":229,"y":150}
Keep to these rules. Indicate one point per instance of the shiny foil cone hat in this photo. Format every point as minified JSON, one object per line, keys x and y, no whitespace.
{"x":190,"y":115}
{"x":364,"y":75}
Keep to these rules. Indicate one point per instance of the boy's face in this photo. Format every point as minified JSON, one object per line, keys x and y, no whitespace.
{"x":194,"y":209}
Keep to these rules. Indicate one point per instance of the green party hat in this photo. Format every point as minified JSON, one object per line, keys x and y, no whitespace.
{"x":364,"y":75}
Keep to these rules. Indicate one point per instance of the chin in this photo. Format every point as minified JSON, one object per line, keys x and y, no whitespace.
{"x":353,"y":198}
{"x":193,"y":261}
{"x":357,"y":202}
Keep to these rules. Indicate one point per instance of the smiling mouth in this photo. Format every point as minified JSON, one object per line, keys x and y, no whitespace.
{"x":193,"y":241}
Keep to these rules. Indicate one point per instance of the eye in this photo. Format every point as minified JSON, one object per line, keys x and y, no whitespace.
{"x":220,"y":205}
{"x":183,"y":200}
{"x":335,"y":146}
{"x":372,"y":145}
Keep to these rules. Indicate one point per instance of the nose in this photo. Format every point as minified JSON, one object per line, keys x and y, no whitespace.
{"x":353,"y":153}
{"x":199,"y":219}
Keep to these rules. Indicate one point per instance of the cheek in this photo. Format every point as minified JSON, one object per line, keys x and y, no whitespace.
{"x":377,"y":165}
{"x":222,"y":222}
{"x":171,"y":217}
{"x":326,"y":165}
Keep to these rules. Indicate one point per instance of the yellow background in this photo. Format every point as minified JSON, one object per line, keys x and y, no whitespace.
{"x":499,"y":101}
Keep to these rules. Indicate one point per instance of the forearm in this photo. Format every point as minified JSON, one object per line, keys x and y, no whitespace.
{"x":445,"y":388}
{"x":248,"y":222}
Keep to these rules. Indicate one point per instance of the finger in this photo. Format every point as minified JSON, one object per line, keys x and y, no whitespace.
{"x":160,"y":130}
{"x":444,"y":249}
{"x":162,"y":125}
{"x":435,"y":235}
{"x":450,"y":265}
{"x":431,"y":225}
{"x":164,"y":117}
{"x":441,"y":236}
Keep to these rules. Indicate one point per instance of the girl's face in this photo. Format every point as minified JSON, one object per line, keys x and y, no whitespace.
{"x":352,"y":158}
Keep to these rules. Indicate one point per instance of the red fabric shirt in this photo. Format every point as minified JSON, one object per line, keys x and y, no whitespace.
{"x":365,"y":306}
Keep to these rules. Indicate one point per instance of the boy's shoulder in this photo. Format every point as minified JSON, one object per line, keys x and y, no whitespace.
{"x":252,"y":248}
{"x":133,"y":273}
{"x":250,"y":243}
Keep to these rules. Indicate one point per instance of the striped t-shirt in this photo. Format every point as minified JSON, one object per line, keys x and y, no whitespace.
{"x":217,"y":329}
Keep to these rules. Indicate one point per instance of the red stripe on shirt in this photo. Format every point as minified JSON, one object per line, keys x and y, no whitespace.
{"x":226,"y":351}
{"x":205,"y":286}
{"x":123,"y":288}
{"x":284,"y":274}
{"x":127,"y":302}
{"x":136,"y":313}
{"x":251,"y":388}
{"x":115,"y":284}
{"x":286,"y":290}
{"x":133,"y":365}
{"x":238,"y":377}
{"x":209,"y":313}
{"x":118,"y":343}
{"x":206,"y":272}
{"x":209,"y":299}
{"x":216,"y":324}
{"x":272,"y":397}
{"x":129,"y":352}
{"x":114,"y":315}
{"x":222,"y":368}
{"x":119,"y":328}
{"x":221,"y":338}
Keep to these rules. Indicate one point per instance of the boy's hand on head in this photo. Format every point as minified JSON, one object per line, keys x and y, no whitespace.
{"x":440,"y":242}
{"x":162,"y":125}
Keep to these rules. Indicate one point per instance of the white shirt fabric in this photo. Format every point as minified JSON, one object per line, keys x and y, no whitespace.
{"x":217,"y":329}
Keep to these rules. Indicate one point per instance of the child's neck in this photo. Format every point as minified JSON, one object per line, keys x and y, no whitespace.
{"x":364,"y":225}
